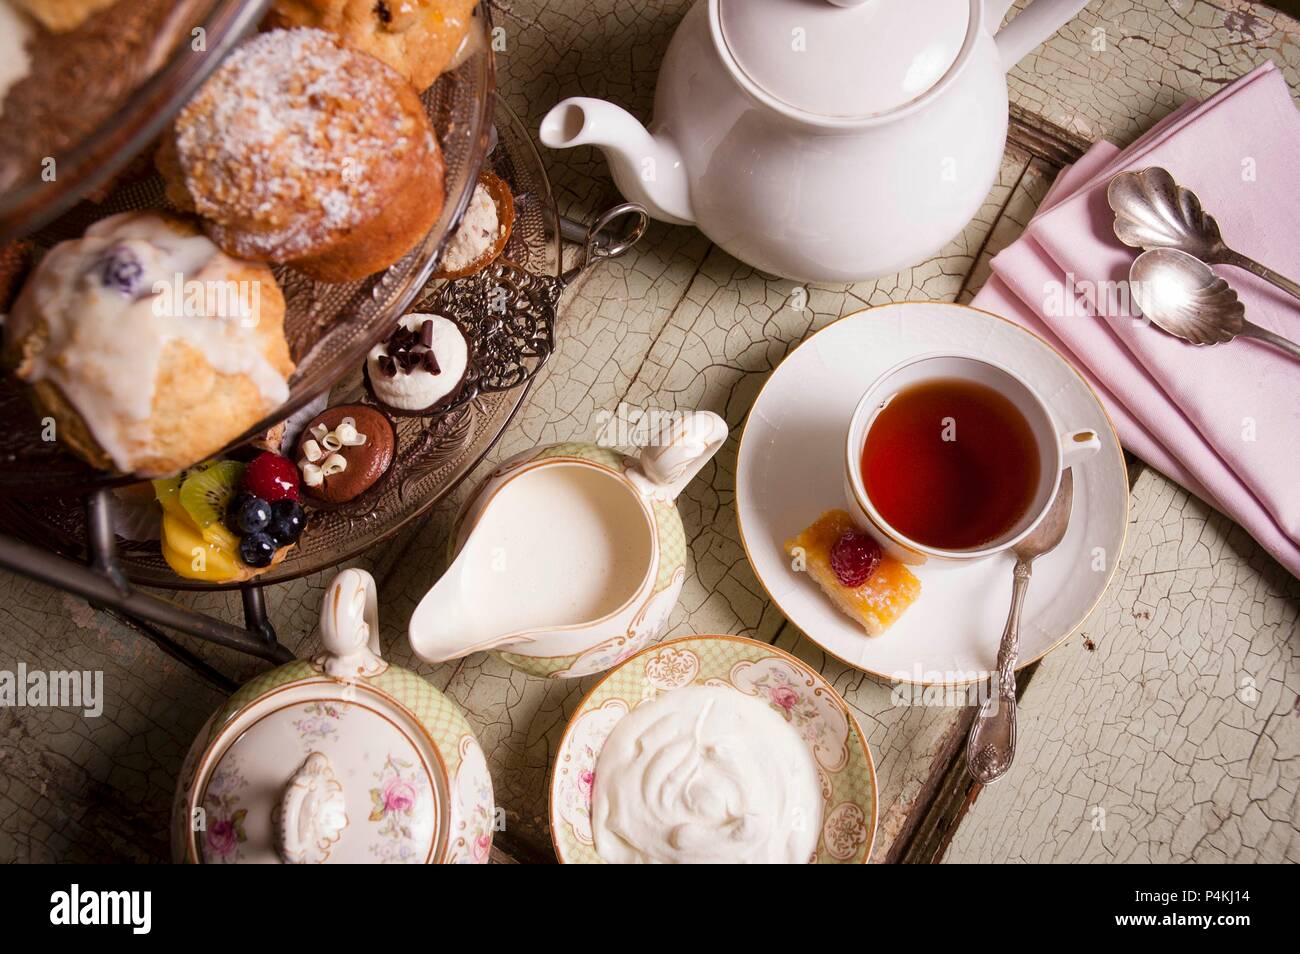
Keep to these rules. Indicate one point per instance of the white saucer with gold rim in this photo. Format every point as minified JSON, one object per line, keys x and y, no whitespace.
{"x":790,"y":470}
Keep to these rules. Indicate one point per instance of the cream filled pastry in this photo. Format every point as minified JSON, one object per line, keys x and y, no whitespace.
{"x":477,"y":233}
{"x":483,"y":230}
{"x":705,"y":775}
{"x":149,"y":347}
{"x":421,"y":366}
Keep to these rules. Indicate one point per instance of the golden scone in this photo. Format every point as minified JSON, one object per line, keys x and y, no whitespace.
{"x":301,"y":150}
{"x":418,"y":38}
{"x":876,"y":603}
{"x":141,"y":374}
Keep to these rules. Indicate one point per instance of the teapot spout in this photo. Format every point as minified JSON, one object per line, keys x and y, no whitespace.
{"x":647,"y":169}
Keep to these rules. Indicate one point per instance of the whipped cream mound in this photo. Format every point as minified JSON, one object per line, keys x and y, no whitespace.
{"x":706,"y":775}
{"x":415,"y":388}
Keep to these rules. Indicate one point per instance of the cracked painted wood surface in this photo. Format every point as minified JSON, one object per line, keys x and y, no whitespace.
{"x":674,"y":324}
{"x":1168,"y":728}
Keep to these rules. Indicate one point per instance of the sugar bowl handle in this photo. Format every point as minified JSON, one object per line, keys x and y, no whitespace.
{"x":676,"y":452}
{"x":312,"y":813}
{"x":349,"y":627}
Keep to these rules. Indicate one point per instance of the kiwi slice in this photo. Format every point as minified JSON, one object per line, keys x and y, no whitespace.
{"x":167,"y":489}
{"x":204,"y":496}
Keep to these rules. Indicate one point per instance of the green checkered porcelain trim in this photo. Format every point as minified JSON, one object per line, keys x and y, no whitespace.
{"x":440,"y":717}
{"x":849,"y":786}
{"x":544,"y":666}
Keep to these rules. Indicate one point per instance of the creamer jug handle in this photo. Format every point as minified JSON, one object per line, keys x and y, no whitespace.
{"x":675,"y":452}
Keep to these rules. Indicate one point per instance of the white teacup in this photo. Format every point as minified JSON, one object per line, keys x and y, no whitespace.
{"x":1057,"y":450}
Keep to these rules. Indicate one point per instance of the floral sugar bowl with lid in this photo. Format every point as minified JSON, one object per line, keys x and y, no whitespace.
{"x":343,"y":758}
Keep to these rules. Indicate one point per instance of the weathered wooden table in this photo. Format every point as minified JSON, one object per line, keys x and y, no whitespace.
{"x":1166,"y":729}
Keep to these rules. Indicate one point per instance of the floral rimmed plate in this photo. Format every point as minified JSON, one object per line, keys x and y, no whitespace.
{"x":797,"y":693}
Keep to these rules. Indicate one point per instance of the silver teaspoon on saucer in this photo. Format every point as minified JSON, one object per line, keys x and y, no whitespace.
{"x":991,"y":745}
{"x":1182,"y":296}
{"x":1154,"y":211}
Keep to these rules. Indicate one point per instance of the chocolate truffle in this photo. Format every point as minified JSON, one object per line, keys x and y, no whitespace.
{"x":335,"y":465}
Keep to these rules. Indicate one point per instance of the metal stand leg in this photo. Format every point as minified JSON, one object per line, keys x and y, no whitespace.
{"x":105,"y":587}
{"x":255,"y":618}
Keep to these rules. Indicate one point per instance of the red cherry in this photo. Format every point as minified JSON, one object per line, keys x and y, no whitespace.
{"x":854,"y":557}
{"x":271,"y":477}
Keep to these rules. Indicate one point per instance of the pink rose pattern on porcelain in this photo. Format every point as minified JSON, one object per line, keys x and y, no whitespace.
{"x":471,"y":830}
{"x":799,"y":697}
{"x":223,"y":818}
{"x":401,"y":798}
{"x":820,"y":720}
{"x":575,"y":768}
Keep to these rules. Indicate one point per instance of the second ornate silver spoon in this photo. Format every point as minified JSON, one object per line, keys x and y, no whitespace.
{"x":991,"y":745}
{"x":1181,"y":295}
{"x":1154,"y":211}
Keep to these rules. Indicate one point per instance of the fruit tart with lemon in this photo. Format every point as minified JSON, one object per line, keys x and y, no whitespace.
{"x":227,"y":521}
{"x":863,"y":583}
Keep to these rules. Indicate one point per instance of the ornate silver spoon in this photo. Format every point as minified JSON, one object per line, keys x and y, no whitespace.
{"x":991,"y":745}
{"x":1181,"y":295}
{"x":1154,"y":211}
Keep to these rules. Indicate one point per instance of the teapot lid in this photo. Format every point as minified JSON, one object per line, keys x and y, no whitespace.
{"x":843,"y":59}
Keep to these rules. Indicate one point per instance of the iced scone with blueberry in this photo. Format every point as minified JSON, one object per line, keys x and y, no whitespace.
{"x":149,"y":347}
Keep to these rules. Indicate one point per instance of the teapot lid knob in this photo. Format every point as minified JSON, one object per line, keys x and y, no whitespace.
{"x":312,"y":813}
{"x":349,"y":627}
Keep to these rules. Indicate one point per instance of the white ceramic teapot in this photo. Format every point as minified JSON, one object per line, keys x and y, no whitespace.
{"x":821,"y":140}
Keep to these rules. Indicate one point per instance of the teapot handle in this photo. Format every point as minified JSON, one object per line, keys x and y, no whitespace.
{"x":677,"y":452}
{"x":1030,"y":27}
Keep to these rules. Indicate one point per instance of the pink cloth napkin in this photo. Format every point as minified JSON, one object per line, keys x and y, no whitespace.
{"x":1223,"y":421}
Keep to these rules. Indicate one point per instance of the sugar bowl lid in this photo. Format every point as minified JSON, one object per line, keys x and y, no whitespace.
{"x":842,"y":59}
{"x":339,"y":759}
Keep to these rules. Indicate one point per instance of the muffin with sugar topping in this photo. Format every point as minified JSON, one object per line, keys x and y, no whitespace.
{"x":300,"y":150}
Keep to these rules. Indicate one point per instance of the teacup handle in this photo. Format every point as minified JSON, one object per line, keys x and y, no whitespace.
{"x":677,"y":453}
{"x":1078,"y":446}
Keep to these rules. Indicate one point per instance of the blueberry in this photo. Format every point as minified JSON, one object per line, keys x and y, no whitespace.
{"x":257,"y":549}
{"x":287,"y":521}
{"x":249,"y":514}
{"x":120,"y":270}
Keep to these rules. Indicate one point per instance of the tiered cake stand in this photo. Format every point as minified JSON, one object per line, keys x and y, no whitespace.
{"x":60,"y":517}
